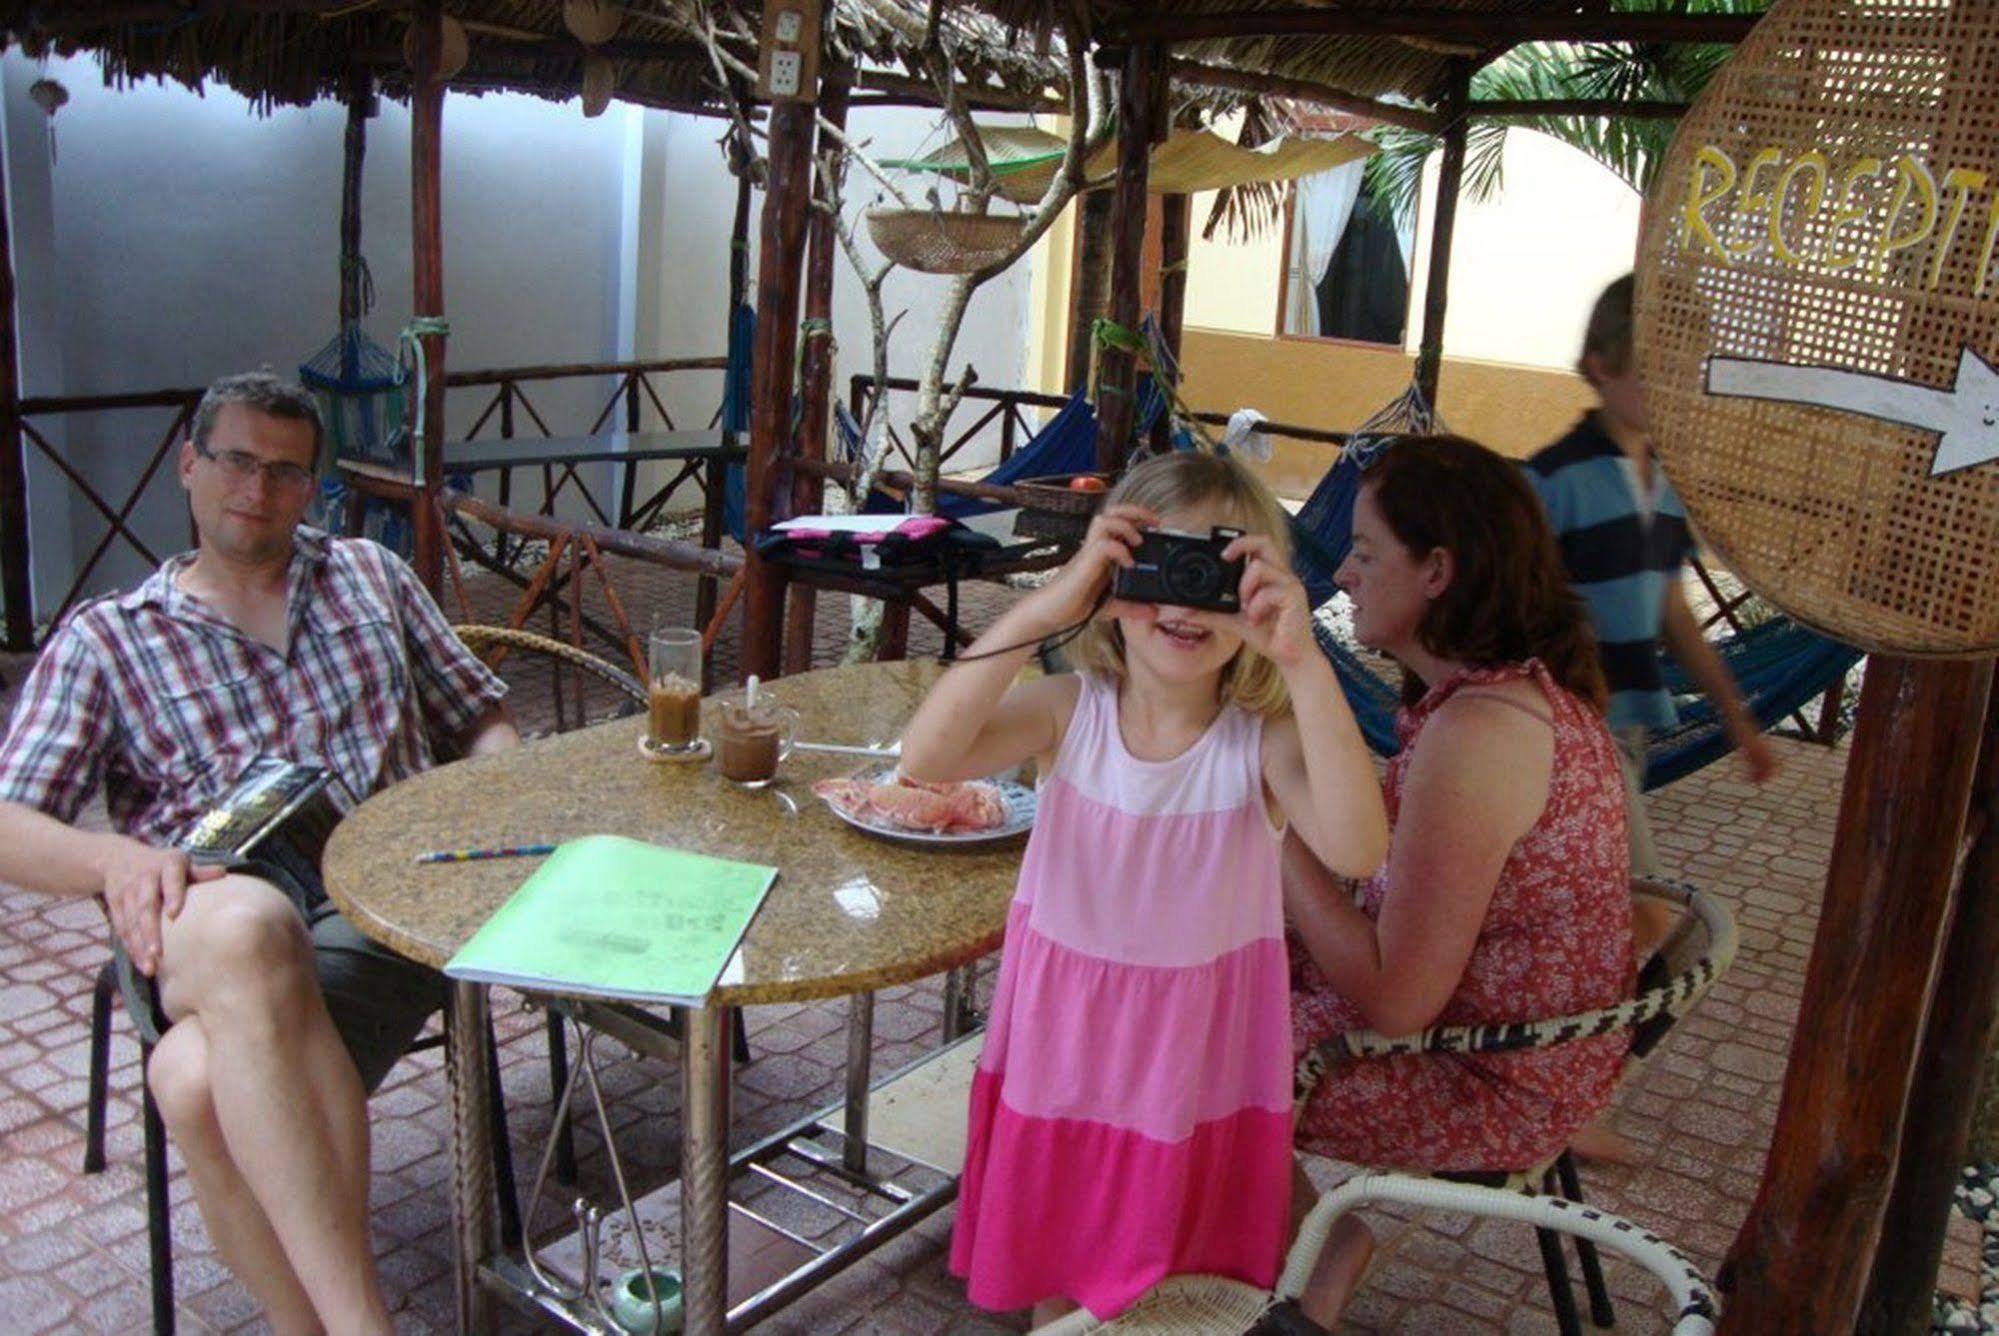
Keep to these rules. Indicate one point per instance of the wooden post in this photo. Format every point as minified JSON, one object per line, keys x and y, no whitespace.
{"x":1176,"y":221}
{"x":427,"y":256}
{"x":1804,"y":1253}
{"x":815,"y":388}
{"x":1957,"y":1043}
{"x":1450,"y":175}
{"x":1140,"y":92}
{"x":16,"y":583}
{"x":787,"y":198}
{"x":706,"y":590}
{"x":354,"y":154}
{"x":1089,"y":283}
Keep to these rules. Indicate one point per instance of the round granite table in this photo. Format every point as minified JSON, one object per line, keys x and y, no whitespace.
{"x":849,"y":914}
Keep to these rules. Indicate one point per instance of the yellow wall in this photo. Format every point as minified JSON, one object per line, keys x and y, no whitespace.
{"x":1337,"y":386}
{"x":1048,"y":308}
{"x":1523,"y":274}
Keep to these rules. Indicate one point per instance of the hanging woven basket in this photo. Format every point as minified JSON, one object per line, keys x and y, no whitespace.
{"x":933,"y":242}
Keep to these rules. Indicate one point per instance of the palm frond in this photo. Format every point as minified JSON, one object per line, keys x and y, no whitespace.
{"x":1633,"y":149}
{"x":1249,"y":211}
{"x":1392,"y":181}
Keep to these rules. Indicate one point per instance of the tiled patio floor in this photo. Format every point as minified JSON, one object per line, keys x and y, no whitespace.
{"x":73,"y":1248}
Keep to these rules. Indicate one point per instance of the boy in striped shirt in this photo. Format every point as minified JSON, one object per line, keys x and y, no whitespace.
{"x":1625,"y":541}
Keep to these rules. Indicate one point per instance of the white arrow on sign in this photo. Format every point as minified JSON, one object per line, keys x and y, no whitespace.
{"x":1965,"y":416}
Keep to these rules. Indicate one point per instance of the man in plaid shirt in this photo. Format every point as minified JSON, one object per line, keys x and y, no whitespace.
{"x":268,"y":639}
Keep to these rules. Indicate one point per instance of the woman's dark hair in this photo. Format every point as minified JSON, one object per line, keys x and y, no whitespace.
{"x":1509,"y":598}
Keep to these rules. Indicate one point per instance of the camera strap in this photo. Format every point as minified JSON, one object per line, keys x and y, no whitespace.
{"x":1051,"y":642}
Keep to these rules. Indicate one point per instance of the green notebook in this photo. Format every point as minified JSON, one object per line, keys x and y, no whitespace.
{"x":612,"y":917}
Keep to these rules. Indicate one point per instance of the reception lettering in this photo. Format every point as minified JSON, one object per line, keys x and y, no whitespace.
{"x":1806,"y":210}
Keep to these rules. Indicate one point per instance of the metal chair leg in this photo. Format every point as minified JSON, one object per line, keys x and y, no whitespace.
{"x":503,"y":1153}
{"x":159,"y":1219}
{"x":1559,"y":1292}
{"x":1601,"y":1312}
{"x":102,"y":997}
{"x":558,"y":1081}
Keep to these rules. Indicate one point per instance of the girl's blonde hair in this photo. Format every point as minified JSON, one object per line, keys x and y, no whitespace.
{"x":1181,"y":481}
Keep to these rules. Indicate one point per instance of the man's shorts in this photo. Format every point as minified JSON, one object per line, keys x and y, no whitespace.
{"x":378,"y":1000}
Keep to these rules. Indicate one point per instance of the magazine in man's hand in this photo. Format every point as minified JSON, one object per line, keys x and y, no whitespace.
{"x":272,"y":799}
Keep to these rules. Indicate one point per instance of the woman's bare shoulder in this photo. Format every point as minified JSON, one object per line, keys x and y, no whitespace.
{"x":1517,"y":694}
{"x":1494,"y":741}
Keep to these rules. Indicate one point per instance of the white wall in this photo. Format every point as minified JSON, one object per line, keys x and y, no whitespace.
{"x":186,"y":237}
{"x":690,"y":202}
{"x":176,"y":237}
{"x":1525,"y":266}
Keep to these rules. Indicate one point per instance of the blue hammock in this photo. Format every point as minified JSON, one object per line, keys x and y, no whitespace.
{"x":1779,"y":665}
{"x":736,"y":414}
{"x":1066,"y":443}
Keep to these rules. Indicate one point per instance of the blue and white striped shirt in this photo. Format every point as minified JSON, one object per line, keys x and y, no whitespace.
{"x":1621,"y":559}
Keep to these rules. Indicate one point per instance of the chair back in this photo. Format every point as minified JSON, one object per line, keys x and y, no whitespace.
{"x":494,"y":643}
{"x":1691,"y":1296}
{"x":1696,"y":953}
{"x":1693,"y":957}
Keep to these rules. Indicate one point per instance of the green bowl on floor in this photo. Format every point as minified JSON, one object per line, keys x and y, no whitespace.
{"x":632,"y":1305}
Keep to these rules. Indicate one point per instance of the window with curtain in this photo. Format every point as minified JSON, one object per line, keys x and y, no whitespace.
{"x":1347,"y":268}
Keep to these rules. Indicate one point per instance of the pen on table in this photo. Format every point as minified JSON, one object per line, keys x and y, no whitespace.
{"x":475,"y":855}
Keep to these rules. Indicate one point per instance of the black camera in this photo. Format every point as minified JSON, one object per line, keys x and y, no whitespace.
{"x":1184,"y":570}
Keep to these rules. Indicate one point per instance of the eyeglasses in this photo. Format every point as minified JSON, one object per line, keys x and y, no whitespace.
{"x":241,"y":466}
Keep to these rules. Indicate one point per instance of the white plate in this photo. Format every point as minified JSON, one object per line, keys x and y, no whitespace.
{"x":1018,"y":797}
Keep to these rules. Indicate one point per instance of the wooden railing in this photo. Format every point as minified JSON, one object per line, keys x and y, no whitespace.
{"x":633,"y":390}
{"x":1007,"y":408}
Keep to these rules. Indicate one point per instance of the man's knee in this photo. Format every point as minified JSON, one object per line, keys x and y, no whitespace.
{"x":253,"y":923}
{"x":236,"y":934}
{"x":177,"y":1074}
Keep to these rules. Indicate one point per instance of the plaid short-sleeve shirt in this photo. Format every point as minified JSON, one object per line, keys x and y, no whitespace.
{"x":160,"y":700}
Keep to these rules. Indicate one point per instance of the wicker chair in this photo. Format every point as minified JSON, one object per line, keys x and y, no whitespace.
{"x":1209,"y":1305}
{"x":482,"y":640}
{"x":1673,"y":980}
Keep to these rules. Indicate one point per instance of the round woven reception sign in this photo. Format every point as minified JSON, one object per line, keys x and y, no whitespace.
{"x":1818,"y":309}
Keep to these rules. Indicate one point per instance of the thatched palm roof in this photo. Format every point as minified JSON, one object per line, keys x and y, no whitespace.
{"x":1367,"y":48}
{"x":1008,"y":52}
{"x":293,"y":52}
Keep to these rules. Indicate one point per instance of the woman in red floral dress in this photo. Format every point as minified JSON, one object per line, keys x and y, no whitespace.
{"x":1506,"y":895}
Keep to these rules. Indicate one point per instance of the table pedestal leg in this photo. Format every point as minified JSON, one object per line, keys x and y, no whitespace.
{"x":467,"y":1041}
{"x":860,"y":1067}
{"x":704,"y":1169}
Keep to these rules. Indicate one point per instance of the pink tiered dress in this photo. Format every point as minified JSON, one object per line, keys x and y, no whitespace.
{"x":1131,"y":1113}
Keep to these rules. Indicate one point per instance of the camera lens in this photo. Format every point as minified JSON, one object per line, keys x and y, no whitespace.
{"x":1193,"y":576}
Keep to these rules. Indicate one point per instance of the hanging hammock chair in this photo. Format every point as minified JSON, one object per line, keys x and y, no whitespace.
{"x":362,"y":400}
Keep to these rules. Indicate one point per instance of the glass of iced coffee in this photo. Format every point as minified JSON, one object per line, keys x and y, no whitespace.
{"x":673,"y":719}
{"x":752,"y":737}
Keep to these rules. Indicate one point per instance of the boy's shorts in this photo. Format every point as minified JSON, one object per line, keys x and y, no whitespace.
{"x":379,"y":1001}
{"x":1631,"y":758}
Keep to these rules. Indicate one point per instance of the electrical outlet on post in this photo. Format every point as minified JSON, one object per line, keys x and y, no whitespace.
{"x":789,"y":45}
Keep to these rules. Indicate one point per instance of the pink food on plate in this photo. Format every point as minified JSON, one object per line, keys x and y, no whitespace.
{"x":936,"y":809}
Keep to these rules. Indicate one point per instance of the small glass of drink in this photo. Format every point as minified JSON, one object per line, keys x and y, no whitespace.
{"x":674,"y":689}
{"x":752,"y":738}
